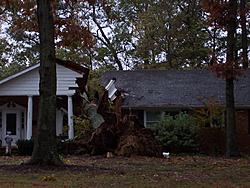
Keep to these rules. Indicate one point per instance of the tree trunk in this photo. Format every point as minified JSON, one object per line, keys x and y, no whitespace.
{"x":45,"y":150}
{"x":244,"y":33}
{"x":231,"y":145}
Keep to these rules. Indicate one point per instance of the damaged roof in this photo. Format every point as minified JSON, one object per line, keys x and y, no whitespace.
{"x":175,"y":88}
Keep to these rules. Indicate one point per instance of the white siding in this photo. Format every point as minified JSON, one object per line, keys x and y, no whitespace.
{"x":28,"y":83}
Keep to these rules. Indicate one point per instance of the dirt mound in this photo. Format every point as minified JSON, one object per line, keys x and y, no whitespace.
{"x":139,"y":142}
{"x":124,"y":139}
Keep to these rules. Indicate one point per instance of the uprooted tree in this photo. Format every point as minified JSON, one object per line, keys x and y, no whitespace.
{"x":116,"y":132}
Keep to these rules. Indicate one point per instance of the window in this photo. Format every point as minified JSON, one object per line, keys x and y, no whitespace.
{"x":152,"y":117}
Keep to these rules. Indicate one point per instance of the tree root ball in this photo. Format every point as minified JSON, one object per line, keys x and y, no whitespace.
{"x":139,"y":142}
{"x":124,"y":141}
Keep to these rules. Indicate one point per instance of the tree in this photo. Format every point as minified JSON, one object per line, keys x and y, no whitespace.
{"x":45,"y":149}
{"x":125,"y":33}
{"x":130,"y":33}
{"x":224,"y":13}
{"x":6,"y":68}
{"x":23,"y":30}
{"x":112,"y":34}
{"x":162,"y":29}
{"x":55,"y":21}
{"x":232,"y":148}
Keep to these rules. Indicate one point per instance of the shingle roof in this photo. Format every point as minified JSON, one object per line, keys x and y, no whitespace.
{"x":176,"y":89}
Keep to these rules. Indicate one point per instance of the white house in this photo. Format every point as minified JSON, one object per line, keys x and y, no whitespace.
{"x":19,"y":100}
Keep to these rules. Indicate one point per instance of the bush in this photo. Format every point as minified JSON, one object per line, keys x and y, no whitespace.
{"x":83,"y":127}
{"x":178,"y":133}
{"x":25,"y":147}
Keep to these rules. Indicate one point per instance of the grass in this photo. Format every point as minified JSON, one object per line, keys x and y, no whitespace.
{"x":85,"y":171}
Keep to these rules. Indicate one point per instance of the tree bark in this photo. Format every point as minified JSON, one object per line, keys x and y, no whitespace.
{"x":231,"y":145}
{"x":45,"y":149}
{"x":244,"y":33}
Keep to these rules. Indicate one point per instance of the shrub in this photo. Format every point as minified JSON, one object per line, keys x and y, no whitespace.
{"x":212,"y":115}
{"x":82,"y":126}
{"x":25,"y":147}
{"x":178,"y":133}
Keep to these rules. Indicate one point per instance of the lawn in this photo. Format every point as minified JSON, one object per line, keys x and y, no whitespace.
{"x":85,"y":171}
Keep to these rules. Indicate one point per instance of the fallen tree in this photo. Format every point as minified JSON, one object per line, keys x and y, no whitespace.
{"x":118,"y":133}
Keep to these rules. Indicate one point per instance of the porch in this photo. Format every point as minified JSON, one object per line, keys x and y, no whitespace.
{"x":19,"y":115}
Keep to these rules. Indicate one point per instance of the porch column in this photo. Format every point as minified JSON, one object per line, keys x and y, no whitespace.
{"x":29,"y":117}
{"x":70,"y":118}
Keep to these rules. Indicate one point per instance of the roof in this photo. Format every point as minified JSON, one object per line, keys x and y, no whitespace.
{"x":28,"y":69}
{"x":68,"y":64}
{"x":73,"y":66}
{"x":176,"y":89}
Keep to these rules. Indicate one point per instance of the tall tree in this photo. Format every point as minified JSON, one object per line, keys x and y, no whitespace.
{"x":232,"y":147}
{"x":224,"y":14}
{"x":162,"y":29}
{"x":45,"y":150}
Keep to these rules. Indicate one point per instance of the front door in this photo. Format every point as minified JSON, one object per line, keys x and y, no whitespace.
{"x":12,"y":125}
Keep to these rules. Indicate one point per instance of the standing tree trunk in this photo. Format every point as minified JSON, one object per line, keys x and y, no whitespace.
{"x":244,"y":33}
{"x":231,"y":144}
{"x":45,"y":150}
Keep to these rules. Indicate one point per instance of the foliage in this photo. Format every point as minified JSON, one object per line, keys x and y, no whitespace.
{"x":94,"y":80}
{"x":211,"y":115}
{"x":21,"y":28}
{"x":163,"y":29}
{"x":25,"y":147}
{"x":178,"y":133}
{"x":229,"y":70}
{"x":125,"y":34}
{"x":82,"y":126}
{"x":7,"y":68}
{"x":119,"y":33}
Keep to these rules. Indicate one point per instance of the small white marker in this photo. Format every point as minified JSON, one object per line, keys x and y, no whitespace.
{"x":166,"y":154}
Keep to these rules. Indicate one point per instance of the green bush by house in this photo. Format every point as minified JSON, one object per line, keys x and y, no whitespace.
{"x":177,"y":133}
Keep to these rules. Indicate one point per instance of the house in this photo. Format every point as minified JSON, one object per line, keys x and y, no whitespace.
{"x":19,"y":100}
{"x":152,"y":93}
